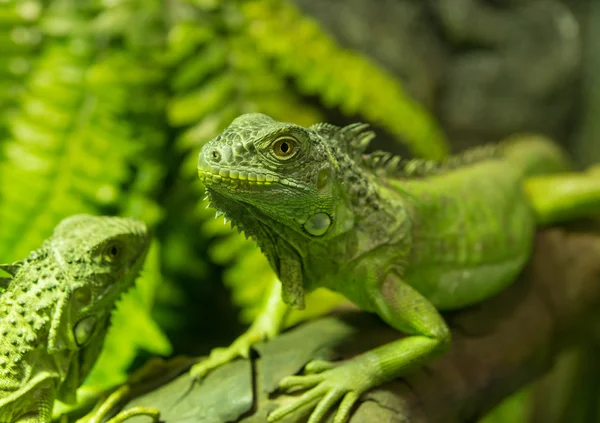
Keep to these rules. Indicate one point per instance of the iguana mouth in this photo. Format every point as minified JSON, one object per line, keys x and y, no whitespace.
{"x":219,"y":176}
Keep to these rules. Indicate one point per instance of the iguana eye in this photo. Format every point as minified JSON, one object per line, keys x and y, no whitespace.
{"x":112,"y":252}
{"x":285,"y":148}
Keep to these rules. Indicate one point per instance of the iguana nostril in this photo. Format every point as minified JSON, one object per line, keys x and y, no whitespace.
{"x":215,"y":156}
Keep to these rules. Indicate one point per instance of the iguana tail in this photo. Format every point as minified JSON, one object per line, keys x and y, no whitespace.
{"x":556,"y":192}
{"x":562,"y":197}
{"x":535,"y":155}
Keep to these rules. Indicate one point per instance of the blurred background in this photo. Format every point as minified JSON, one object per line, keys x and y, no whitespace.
{"x":105,"y":104}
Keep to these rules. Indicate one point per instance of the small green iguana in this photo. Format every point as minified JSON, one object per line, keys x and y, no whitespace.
{"x":402,"y":239}
{"x":55,"y":310}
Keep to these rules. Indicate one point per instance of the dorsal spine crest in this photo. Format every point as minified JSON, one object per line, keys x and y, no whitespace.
{"x":398,"y":167}
{"x":353,"y":139}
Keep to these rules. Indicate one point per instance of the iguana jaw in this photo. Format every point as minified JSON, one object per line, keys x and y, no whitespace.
{"x":214,"y":175}
{"x":290,"y":203}
{"x":270,"y":237}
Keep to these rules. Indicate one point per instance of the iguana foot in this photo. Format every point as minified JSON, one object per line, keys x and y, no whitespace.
{"x":155,"y":372}
{"x":153,"y":413}
{"x":112,"y":401}
{"x":261,"y":329}
{"x":330,"y":384}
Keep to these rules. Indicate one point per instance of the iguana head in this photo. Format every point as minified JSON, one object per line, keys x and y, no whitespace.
{"x":280,"y":181}
{"x":100,"y":258}
{"x":290,"y":173}
{"x":281,"y":169}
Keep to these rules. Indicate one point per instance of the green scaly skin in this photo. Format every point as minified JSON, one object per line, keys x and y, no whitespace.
{"x":400,"y":239}
{"x":55,"y":311}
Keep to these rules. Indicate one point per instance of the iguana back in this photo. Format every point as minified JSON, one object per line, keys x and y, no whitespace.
{"x":471,"y":222}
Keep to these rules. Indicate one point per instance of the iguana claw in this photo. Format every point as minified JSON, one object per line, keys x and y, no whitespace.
{"x":113,"y":399}
{"x":124,"y":415}
{"x":266,"y":326}
{"x":329,"y":384}
{"x":261,"y":330}
{"x":220,"y":356}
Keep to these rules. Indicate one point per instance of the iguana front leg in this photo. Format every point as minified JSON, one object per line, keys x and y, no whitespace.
{"x":266,"y":326}
{"x":106,"y":407}
{"x":402,"y":307}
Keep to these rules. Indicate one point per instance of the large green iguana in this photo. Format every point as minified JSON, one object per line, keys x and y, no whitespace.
{"x":55,"y":310}
{"x":402,"y":239}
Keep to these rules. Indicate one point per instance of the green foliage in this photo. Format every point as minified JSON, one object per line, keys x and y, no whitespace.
{"x":20,"y":39}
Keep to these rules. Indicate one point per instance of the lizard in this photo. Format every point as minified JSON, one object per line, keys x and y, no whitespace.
{"x":405,"y":239}
{"x":55,"y":308}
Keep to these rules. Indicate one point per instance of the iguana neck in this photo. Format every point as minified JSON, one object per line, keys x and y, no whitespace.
{"x":275,"y":239}
{"x":266,"y":231}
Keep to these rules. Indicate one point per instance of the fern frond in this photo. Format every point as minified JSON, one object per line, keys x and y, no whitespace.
{"x":61,"y":159}
{"x":340,"y":77}
{"x":20,"y":39}
{"x":81,"y":126}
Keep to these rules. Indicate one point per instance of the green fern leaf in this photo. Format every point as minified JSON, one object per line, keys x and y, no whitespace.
{"x":20,"y":40}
